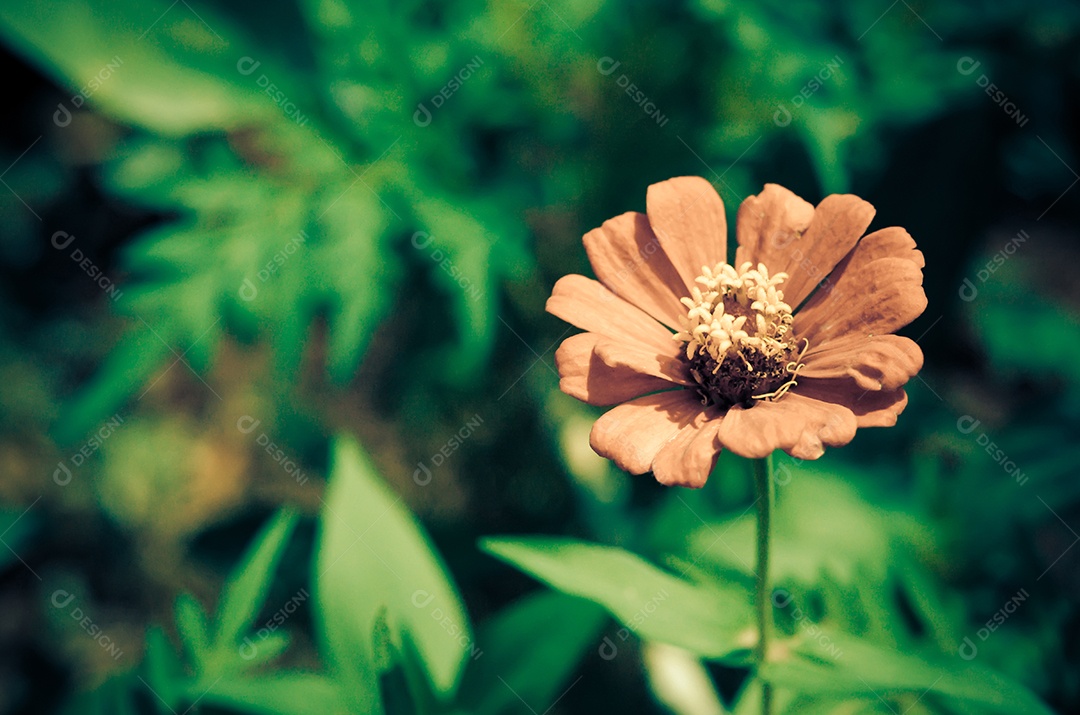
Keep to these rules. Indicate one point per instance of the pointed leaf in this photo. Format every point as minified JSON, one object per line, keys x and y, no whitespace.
{"x":250,"y":581}
{"x":706,"y":619}
{"x":373,"y":556}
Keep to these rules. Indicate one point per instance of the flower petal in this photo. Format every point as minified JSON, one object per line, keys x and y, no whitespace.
{"x":880,"y":409}
{"x":839,"y":222}
{"x":590,"y":306}
{"x":872,"y":408}
{"x":633,"y":433}
{"x":881,"y":362}
{"x":627,"y":258}
{"x":688,"y":217}
{"x":768,"y":222}
{"x":879,"y":298}
{"x":584,"y":375}
{"x":892,"y":241}
{"x":689,"y":458}
{"x":875,"y":290}
{"x":795,"y":423}
{"x":668,"y":365}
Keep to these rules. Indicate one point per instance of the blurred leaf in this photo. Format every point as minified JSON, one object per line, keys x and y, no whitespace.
{"x":164,"y":672}
{"x":373,"y":557}
{"x":193,"y":626}
{"x":845,"y":664}
{"x":707,"y":619}
{"x":680,"y":681}
{"x":467,"y":256}
{"x":132,"y":362}
{"x":250,"y":151}
{"x":857,"y":533}
{"x":407,"y":690}
{"x":528,"y":651}
{"x":84,"y":45}
{"x":281,"y":693}
{"x":250,"y":581}
{"x":1009,"y":293}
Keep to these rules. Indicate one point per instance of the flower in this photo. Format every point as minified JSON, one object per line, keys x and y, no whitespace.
{"x":787,"y":347}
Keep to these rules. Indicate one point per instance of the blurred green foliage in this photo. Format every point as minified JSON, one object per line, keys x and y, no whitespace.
{"x":301,"y":219}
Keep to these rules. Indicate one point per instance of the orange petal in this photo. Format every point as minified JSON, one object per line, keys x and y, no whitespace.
{"x":588,"y":378}
{"x":796,"y":424}
{"x":880,"y":409}
{"x":892,"y":241}
{"x":872,"y":408}
{"x":881,"y":362}
{"x":627,"y":258}
{"x":633,"y":433}
{"x":867,"y":298}
{"x":668,"y":365}
{"x":688,"y":217}
{"x":590,"y":306}
{"x":688,"y":459}
{"x":839,"y":222}
{"x":769,"y":222}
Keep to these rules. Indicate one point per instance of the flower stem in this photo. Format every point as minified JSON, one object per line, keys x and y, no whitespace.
{"x":763,"y":492}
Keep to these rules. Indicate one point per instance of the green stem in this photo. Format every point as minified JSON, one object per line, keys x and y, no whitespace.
{"x":763,"y":492}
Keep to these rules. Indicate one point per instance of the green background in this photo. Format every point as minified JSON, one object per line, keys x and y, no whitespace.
{"x":296,"y":220}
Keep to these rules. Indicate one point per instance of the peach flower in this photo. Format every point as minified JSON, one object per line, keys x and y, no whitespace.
{"x":787,"y":347}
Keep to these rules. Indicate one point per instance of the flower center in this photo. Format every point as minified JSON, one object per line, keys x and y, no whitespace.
{"x":738,"y":336}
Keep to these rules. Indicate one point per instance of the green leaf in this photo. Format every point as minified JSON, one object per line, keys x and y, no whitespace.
{"x":194,"y":628}
{"x":373,"y":557}
{"x":351,"y":246}
{"x":405,"y":686}
{"x":805,"y":546}
{"x":278,"y":694}
{"x":838,"y":663}
{"x":528,"y":651}
{"x":257,"y":651}
{"x":172,"y":72}
{"x":468,"y":253}
{"x":707,"y":619}
{"x":131,"y":363}
{"x":1009,"y":292}
{"x":164,"y":671}
{"x":249,"y":583}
